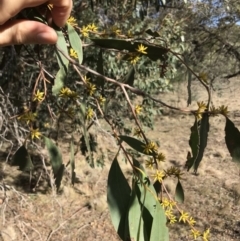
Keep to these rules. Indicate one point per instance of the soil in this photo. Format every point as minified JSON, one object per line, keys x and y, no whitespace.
{"x":212,"y":196}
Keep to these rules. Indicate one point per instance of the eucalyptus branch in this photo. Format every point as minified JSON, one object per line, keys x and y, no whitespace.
{"x":115,"y":135}
{"x":132,"y":89}
{"x":207,"y":86}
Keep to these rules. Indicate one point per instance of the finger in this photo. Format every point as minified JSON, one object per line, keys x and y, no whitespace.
{"x":10,"y":8}
{"x":26,"y":32}
{"x":61,"y":11}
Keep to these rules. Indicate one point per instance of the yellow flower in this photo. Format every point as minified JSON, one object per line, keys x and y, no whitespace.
{"x":214,"y":111}
{"x":92,"y":27}
{"x":39,"y":96}
{"x":141,"y":49}
{"x":149,"y":163}
{"x":174,"y":171}
{"x":172,"y":219}
{"x":223,"y":110}
{"x":206,"y":235}
{"x":65,"y":92}
{"x":101,"y":100}
{"x":85,"y":31}
{"x":73,"y":95}
{"x":73,"y":53}
{"x":201,"y":106}
{"x":184,"y":217}
{"x":137,"y":132}
{"x":138,"y":109}
{"x":134,"y":60}
{"x":170,"y":216}
{"x":72,"y":21}
{"x":168,"y":213}
{"x":90,"y":113}
{"x":150,"y":148}
{"x":116,"y":31}
{"x":28,"y":117}
{"x":201,"y":109}
{"x":195,"y":233}
{"x":86,"y":80}
{"x":159,"y":175}
{"x":165,"y":203}
{"x":91,"y":88}
{"x":171,"y":204}
{"x":35,"y":133}
{"x":191,"y":221}
{"x":160,"y":157}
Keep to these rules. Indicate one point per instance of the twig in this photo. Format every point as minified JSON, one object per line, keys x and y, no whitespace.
{"x":63,"y":223}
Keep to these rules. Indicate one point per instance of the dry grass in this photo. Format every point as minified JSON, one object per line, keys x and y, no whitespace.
{"x":80,"y":213}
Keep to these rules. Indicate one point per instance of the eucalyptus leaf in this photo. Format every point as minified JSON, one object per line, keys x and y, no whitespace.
{"x":232,"y":139}
{"x":203,"y":134}
{"x":135,"y":144}
{"x":59,"y":81}
{"x":179,"y":193}
{"x":63,"y":62}
{"x":75,"y":42}
{"x":118,"y":198}
{"x":56,"y":161}
{"x":194,"y":144}
{"x":153,"y":52}
{"x":22,"y":159}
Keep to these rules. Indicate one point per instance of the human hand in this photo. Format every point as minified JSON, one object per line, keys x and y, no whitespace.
{"x":29,"y":32}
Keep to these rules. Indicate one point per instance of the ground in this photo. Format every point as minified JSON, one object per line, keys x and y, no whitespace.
{"x":81,"y":213}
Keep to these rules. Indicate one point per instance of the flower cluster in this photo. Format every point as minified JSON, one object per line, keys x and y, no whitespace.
{"x":150,"y":148}
{"x":90,"y":28}
{"x":73,"y":53}
{"x":65,"y":92}
{"x":201,"y":109}
{"x":72,"y":21}
{"x":28,"y":117}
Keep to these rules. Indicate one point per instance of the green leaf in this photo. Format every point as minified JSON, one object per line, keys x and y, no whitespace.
{"x":203,"y":133}
{"x":130,"y":77}
{"x":72,"y":162}
{"x":22,"y":159}
{"x":189,"y":79}
{"x":135,"y":144}
{"x":194,"y":144}
{"x":56,"y":161}
{"x":146,"y":208}
{"x":59,"y":176}
{"x":118,"y":198}
{"x":75,"y":42}
{"x":232,"y":139}
{"x":153,"y":34}
{"x":135,"y":219}
{"x":61,"y":44}
{"x":179,"y":193}
{"x":59,"y":81}
{"x":153,"y":52}
{"x":159,"y":229}
{"x":147,"y":198}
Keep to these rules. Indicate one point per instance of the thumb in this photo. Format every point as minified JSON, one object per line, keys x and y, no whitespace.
{"x":26,"y":32}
